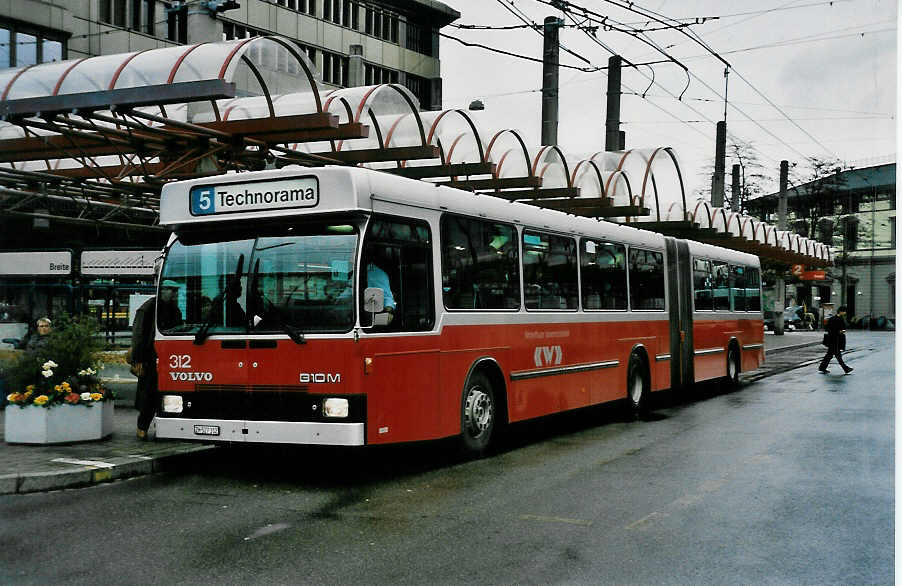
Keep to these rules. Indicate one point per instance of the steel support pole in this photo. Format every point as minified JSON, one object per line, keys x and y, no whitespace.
{"x":612,"y":140}
{"x":550,"y":69}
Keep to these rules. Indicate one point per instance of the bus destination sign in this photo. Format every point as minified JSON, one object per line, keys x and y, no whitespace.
{"x":298,"y":192}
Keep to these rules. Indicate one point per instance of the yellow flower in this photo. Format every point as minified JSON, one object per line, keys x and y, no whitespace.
{"x":29,"y":392}
{"x":14,"y":397}
{"x":40,"y":400}
{"x":96,"y":396}
{"x":29,"y":388}
{"x":66,"y":387}
{"x":57,"y":388}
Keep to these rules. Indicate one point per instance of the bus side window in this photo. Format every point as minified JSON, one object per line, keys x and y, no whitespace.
{"x":737,"y":287}
{"x":721,"y":273}
{"x":701,"y":283}
{"x":603,"y":268}
{"x":549,"y":271}
{"x":480,"y":264}
{"x":398,"y":258}
{"x":646,"y":278}
{"x":753,"y":290}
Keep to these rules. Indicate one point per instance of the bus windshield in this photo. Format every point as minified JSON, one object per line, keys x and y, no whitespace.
{"x":296,"y":280}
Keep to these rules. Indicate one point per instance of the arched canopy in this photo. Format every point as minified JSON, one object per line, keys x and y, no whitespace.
{"x":260,"y":68}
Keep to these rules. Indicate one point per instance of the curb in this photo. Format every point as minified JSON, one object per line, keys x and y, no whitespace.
{"x":89,"y":473}
{"x":793,"y":347}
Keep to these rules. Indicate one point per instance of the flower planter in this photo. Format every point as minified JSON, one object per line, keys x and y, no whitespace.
{"x":58,"y":424}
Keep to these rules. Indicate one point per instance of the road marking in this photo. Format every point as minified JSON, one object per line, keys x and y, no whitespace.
{"x":645,"y":520}
{"x":268,"y":530}
{"x":582,"y":522}
{"x":94,"y":463}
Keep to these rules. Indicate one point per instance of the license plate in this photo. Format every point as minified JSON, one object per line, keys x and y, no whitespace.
{"x":206,"y":430}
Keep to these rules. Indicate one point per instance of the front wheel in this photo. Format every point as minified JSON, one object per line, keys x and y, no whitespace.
{"x":478,"y":414}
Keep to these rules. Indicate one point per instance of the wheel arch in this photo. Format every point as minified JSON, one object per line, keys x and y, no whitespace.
{"x":641,"y":351}
{"x":489,"y":366}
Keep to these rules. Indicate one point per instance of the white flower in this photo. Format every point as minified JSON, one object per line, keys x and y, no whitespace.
{"x":82,"y":372}
{"x":47,"y":373}
{"x":91,"y":371}
{"x":85,"y":396}
{"x":48,"y":365}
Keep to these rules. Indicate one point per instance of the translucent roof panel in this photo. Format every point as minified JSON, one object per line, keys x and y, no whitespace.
{"x":549,"y":164}
{"x":507,"y":150}
{"x":37,"y":81}
{"x":464,"y":148}
{"x":279,"y":67}
{"x":155,"y":67}
{"x":587,"y":177}
{"x":402,"y":130}
{"x":94,"y":74}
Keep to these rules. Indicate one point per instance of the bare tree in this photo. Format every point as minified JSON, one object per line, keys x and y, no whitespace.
{"x":752,"y":175}
{"x":816,"y":189}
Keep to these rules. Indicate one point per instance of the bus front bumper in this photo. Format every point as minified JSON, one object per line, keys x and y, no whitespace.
{"x":272,"y":432}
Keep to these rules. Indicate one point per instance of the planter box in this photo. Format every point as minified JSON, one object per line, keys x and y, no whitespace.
{"x":58,"y":424}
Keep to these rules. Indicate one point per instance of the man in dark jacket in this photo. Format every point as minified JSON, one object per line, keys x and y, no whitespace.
{"x":835,"y":337}
{"x":144,"y":364}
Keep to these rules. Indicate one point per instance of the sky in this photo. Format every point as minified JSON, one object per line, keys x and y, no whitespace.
{"x":807,"y":78}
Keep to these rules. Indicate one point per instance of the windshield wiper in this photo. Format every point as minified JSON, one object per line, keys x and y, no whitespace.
{"x":204,"y":330}
{"x":296,"y":335}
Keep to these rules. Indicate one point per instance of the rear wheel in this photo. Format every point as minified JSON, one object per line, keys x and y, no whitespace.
{"x":733,"y":366}
{"x":478,"y":415}
{"x":637,"y":385}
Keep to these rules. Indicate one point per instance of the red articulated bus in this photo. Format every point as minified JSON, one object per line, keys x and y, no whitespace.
{"x":346,"y":306}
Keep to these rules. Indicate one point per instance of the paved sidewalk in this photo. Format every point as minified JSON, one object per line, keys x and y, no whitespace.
{"x":28,"y":468}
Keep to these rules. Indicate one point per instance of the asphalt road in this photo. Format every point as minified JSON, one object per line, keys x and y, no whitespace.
{"x":788,"y":480}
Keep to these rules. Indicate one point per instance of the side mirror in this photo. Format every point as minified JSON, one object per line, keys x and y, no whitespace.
{"x":373,"y":300}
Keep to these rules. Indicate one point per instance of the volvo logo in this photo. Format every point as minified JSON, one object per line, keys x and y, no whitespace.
{"x":192,"y":376}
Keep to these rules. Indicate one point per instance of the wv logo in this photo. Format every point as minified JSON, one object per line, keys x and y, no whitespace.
{"x":548,"y":355}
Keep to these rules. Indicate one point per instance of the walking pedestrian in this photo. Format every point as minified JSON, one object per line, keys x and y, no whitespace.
{"x":835,"y":339}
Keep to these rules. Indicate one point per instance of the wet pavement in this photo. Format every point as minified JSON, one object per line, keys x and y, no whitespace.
{"x":34,"y":468}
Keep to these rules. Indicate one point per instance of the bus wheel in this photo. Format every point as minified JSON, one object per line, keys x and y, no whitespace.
{"x":733,"y":367}
{"x":478,"y":413}
{"x":637,"y":386}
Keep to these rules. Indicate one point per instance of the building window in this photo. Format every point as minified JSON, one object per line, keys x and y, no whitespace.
{"x":421,"y":88}
{"x":23,"y":45}
{"x":419,"y":38}
{"x":143,"y":16}
{"x":374,"y":75}
{"x":335,"y":69}
{"x":177,"y":25}
{"x":113,"y":12}
{"x":381,"y":24}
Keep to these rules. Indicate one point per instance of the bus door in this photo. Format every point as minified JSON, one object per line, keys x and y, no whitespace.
{"x":679,"y":286}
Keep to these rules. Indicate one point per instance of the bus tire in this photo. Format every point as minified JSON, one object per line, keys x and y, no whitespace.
{"x":637,"y":385}
{"x":478,"y":415}
{"x":734,"y":366}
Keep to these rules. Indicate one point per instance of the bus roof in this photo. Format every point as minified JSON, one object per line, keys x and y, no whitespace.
{"x":296,"y":191}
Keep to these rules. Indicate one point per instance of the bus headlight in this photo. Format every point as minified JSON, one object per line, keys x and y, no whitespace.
{"x":335,"y":407}
{"x":172,"y":404}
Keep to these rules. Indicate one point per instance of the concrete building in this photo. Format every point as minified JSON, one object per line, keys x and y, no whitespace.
{"x":855,"y":212}
{"x":351,"y":42}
